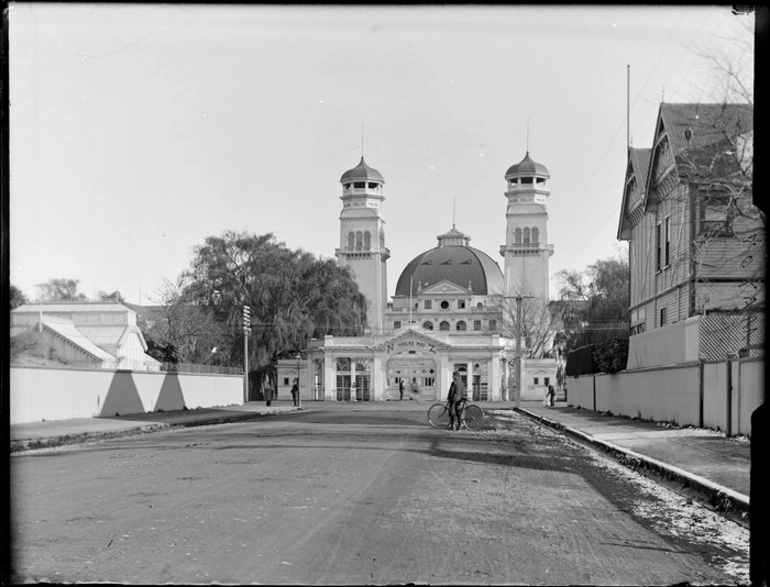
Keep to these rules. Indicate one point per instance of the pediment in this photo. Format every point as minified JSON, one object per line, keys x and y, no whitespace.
{"x":410,"y":338}
{"x":444,"y":287}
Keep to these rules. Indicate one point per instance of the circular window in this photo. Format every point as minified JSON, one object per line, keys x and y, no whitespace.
{"x":444,"y":305}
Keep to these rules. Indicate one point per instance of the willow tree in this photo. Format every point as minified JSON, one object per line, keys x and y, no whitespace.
{"x":292,"y":295}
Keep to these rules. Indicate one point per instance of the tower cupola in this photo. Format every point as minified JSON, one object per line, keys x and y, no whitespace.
{"x":362,"y":180}
{"x":527,"y":173}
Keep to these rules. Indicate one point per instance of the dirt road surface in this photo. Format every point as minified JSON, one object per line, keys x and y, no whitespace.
{"x":352,"y":494}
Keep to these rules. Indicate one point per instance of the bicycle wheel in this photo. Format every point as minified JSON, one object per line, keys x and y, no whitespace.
{"x":473,"y":417}
{"x":438,"y":416}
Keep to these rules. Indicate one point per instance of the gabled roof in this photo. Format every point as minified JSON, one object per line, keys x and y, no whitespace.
{"x":691,"y":128}
{"x":35,"y":307}
{"x":708,"y":123}
{"x":67,"y":330}
{"x":638,"y":166}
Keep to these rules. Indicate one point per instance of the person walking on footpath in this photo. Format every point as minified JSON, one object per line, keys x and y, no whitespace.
{"x":456,"y":394}
{"x":295,"y":394}
{"x":401,"y":388}
{"x":269,"y":395}
{"x":551,"y":397}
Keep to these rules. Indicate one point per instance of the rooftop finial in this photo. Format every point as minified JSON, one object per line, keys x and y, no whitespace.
{"x":454,"y":206}
{"x":527,"y":135}
{"x":362,"y":140}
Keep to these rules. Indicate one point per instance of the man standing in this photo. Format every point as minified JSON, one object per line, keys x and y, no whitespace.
{"x":295,"y":394}
{"x":454,"y":398}
{"x":401,"y":388}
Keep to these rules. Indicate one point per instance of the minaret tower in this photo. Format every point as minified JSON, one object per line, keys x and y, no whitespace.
{"x":525,"y":250}
{"x":362,"y":238}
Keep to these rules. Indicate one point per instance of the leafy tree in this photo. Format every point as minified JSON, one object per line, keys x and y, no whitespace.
{"x":593,"y":304}
{"x":115,"y":296}
{"x":60,"y":290}
{"x":292,"y":296}
{"x":17,"y":297}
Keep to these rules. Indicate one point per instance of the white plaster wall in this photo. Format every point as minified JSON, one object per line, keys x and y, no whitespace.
{"x":672,"y":394}
{"x":60,"y":394}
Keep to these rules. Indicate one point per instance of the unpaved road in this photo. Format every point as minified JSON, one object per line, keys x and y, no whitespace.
{"x":357,"y":495}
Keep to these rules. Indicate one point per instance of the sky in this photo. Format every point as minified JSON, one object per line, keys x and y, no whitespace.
{"x":136,"y":131}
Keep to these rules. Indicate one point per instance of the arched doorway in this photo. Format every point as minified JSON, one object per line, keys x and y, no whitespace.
{"x":419,"y":373}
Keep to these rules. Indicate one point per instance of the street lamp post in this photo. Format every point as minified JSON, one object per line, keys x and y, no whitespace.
{"x":299,"y":391}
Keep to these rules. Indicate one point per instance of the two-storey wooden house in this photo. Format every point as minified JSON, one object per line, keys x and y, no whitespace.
{"x":696,"y":242}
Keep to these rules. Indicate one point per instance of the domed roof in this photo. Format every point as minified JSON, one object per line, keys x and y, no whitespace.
{"x":460,"y":264}
{"x":528,"y":167}
{"x":361,"y":171}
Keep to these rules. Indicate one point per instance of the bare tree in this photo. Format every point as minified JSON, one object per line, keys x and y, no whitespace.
{"x":179,"y":331}
{"x":538,"y":323}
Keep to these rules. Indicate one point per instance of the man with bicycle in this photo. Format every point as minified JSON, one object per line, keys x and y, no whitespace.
{"x":454,"y":401}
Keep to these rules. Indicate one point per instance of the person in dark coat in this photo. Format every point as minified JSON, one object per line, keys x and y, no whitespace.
{"x":269,"y":394}
{"x":401,"y":388}
{"x":456,"y":394}
{"x":295,"y":393}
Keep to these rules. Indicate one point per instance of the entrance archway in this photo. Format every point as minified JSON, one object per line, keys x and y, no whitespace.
{"x":419,"y":373}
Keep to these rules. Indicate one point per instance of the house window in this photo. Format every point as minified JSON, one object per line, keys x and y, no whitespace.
{"x":427,"y":325}
{"x":493,"y":325}
{"x":546,"y":380}
{"x":397,"y":324}
{"x":359,"y":184}
{"x":535,"y":236}
{"x":526,"y":236}
{"x":716,"y":215}
{"x":663,"y":315}
{"x":444,"y":325}
{"x":461,"y":325}
{"x":537,"y":380}
{"x":372,"y":186}
{"x":286,"y":381}
{"x":657,"y":247}
{"x":667,"y":235}
{"x":517,"y":236}
{"x":444,"y":305}
{"x":351,"y":240}
{"x":367,"y":241}
{"x":428,"y":304}
{"x":461,"y":304}
{"x":477,"y":325}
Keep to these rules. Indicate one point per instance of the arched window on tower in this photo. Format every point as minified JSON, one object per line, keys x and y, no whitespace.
{"x":367,"y":241}
{"x":461,"y":325}
{"x":517,"y":236}
{"x":535,"y":236}
{"x":427,"y":325}
{"x":526,"y":236}
{"x":444,"y":325}
{"x":351,"y":240}
{"x":359,"y":240}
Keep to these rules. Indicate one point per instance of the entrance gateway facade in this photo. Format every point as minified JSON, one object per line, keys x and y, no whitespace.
{"x":448,"y":312}
{"x":370,"y":368}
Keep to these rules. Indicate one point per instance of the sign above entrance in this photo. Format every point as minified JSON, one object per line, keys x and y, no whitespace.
{"x":397,"y":346}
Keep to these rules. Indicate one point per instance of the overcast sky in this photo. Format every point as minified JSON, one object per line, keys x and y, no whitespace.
{"x":137,"y":131}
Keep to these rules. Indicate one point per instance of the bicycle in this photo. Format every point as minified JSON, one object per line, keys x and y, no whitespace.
{"x":471,"y":415}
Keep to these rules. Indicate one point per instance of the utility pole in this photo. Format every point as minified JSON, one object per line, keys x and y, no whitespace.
{"x":246,"y":330}
{"x":517,"y":394}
